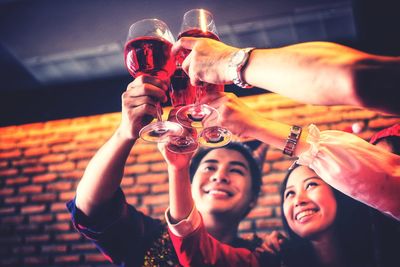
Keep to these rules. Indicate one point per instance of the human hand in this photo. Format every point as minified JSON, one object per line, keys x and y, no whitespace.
{"x":139,"y":104}
{"x":208,"y":60}
{"x":175,"y":160}
{"x":233,"y":114}
{"x":272,"y":242}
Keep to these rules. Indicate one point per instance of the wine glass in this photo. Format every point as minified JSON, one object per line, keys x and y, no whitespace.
{"x":148,"y":51}
{"x":200,"y":23}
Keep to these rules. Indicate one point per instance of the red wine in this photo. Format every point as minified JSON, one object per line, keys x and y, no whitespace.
{"x":181,"y":91}
{"x":149,"y":55}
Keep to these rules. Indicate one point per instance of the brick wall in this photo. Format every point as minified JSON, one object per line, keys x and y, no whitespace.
{"x":41,"y":164}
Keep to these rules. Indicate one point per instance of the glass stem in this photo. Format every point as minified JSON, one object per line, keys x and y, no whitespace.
{"x":159,"y":112}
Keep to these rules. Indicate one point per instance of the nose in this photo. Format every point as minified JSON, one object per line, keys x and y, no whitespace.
{"x":220,"y":176}
{"x":300,"y":199}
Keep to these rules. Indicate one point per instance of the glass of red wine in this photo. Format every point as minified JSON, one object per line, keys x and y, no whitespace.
{"x":200,"y":23}
{"x":148,"y":51}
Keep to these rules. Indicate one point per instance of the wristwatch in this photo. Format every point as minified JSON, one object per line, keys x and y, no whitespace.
{"x":292,"y":139}
{"x":236,"y":64}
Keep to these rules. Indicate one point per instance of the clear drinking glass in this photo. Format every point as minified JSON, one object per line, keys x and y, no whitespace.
{"x":148,"y":51}
{"x":200,"y":23}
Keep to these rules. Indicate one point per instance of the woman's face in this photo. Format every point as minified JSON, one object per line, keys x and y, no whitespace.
{"x":309,"y":203}
{"x":222,"y":183}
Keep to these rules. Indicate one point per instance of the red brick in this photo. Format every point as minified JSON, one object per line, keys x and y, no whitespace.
{"x":31,"y":189}
{"x":59,"y":227}
{"x":273,"y":155}
{"x":127,"y":181}
{"x":81,"y":155}
{"x":268,"y":224}
{"x":276,"y":177}
{"x":159,"y":210}
{"x":66,"y":259}
{"x":262,"y":212}
{"x":133,"y":200}
{"x":8,"y":172}
{"x":58,"y":207}
{"x":136,"y":169}
{"x":160,"y":188}
{"x":25,"y":162}
{"x":7,"y":145}
{"x":3,"y":164}
{"x":27,"y":228}
{"x":155,"y":199}
{"x":269,"y":200}
{"x":24,"y":249}
{"x":44,"y":178}
{"x":67,"y":166}
{"x":46,"y":197}
{"x":6,"y":191}
{"x":36,"y":151}
{"x":383,"y":122}
{"x":82,"y":164}
{"x":58,"y":140}
{"x":155,"y":178}
{"x":17,"y":181}
{"x":12,"y":219}
{"x":15,"y":200}
{"x":266,"y":168}
{"x":270,"y":189}
{"x":68,"y":237}
{"x":282,"y":165}
{"x":37,"y":238}
{"x":157,"y":167}
{"x":151,"y":157}
{"x":245,"y":225}
{"x":66,"y":196}
{"x":64,"y":148}
{"x":29,"y":209}
{"x":10,"y":154}
{"x":137,"y":190}
{"x":42,"y":218}
{"x":53,"y":158}
{"x":95,"y":258}
{"x":34,"y":170}
{"x":36,"y":260}
{"x":80,"y":247}
{"x":75,"y":175}
{"x":8,"y":210}
{"x":63,"y":217}
{"x":54,"y":248}
{"x":59,"y":186}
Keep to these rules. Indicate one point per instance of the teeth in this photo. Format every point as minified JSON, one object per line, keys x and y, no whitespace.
{"x":218,"y":192}
{"x":303,"y":214}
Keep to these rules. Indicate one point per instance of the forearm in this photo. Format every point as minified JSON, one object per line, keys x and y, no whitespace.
{"x":180,"y":196}
{"x":103,"y":174}
{"x":307,"y":72}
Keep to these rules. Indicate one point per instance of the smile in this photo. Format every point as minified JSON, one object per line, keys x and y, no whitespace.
{"x":218,"y":193}
{"x":304,"y":214}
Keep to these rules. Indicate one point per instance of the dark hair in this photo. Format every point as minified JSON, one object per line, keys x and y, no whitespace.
{"x":255,"y":169}
{"x":353,"y":229}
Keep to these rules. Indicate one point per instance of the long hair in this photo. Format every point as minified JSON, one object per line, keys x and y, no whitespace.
{"x":352,"y":227}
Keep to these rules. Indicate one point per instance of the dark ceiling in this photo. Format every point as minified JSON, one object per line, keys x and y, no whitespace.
{"x":62,"y":59}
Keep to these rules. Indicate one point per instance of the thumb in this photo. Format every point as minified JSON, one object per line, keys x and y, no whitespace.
{"x":184,"y":42}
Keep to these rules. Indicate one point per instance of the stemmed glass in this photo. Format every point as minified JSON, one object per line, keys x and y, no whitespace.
{"x":200,"y":23}
{"x":148,"y":51}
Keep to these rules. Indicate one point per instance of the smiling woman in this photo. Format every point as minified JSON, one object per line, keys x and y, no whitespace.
{"x":324,"y":226}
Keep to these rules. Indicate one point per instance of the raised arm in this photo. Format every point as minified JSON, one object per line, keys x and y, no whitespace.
{"x":345,"y":161}
{"x":307,"y":72}
{"x":104,"y":172}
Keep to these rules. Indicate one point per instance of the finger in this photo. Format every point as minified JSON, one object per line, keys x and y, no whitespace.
{"x":146,"y":89}
{"x":148,"y":79}
{"x":268,"y":249}
{"x":132,"y":102}
{"x":184,"y":42}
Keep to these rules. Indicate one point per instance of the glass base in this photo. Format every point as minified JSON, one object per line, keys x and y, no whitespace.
{"x":160,"y":131}
{"x":214,"y":136}
{"x":193,"y":115}
{"x":182,"y":144}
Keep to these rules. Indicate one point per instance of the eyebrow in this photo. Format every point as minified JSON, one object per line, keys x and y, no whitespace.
{"x":305,"y":180}
{"x":239,"y":163}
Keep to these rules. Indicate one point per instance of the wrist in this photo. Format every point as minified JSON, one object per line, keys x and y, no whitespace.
{"x":237,"y":65}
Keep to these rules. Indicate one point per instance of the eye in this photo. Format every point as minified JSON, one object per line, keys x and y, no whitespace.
{"x":289,"y":193}
{"x":311,"y":185}
{"x":239,"y":171}
{"x":208,"y":168}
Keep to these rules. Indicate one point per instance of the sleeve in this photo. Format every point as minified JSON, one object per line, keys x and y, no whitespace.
{"x":355,"y":167}
{"x":198,"y":248}
{"x":119,"y":231}
{"x":186,"y":226}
